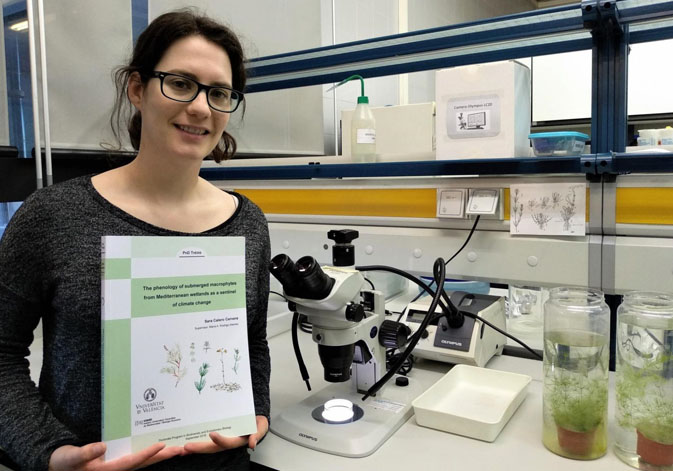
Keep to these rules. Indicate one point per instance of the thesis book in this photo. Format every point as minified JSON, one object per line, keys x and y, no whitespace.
{"x":175,"y":360}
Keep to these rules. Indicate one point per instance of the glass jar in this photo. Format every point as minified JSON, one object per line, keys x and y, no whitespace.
{"x":644,"y":381}
{"x":576,"y":362}
{"x":525,"y":306}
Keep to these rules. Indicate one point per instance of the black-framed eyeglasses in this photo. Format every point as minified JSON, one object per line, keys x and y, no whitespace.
{"x":184,"y":89}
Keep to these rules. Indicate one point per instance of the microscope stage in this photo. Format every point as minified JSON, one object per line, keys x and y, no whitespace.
{"x":383,"y":414}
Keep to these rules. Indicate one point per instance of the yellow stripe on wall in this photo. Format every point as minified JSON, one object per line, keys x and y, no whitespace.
{"x":409,"y":203}
{"x":644,"y":206}
{"x":400,"y":202}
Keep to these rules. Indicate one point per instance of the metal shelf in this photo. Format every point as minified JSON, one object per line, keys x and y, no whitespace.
{"x":513,"y":166}
{"x":589,"y":164}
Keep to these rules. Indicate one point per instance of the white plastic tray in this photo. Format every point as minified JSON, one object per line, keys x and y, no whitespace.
{"x":471,"y":401}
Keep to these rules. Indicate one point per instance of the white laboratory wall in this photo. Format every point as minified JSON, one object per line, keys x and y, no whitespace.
{"x":4,"y":116}
{"x":277,"y":122}
{"x":85,"y":41}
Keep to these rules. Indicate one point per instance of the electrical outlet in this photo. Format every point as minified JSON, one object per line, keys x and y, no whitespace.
{"x":451,"y":203}
{"x":485,"y":202}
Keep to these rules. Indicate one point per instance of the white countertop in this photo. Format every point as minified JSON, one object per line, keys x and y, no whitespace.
{"x":518,"y":447}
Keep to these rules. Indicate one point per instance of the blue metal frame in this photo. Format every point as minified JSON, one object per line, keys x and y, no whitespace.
{"x":516,"y":166}
{"x":521,"y":35}
{"x":610,"y":73}
{"x":589,"y":164}
{"x":435,"y":39}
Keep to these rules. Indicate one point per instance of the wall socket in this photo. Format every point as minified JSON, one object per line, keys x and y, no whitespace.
{"x":480,"y":201}
{"x":451,"y":203}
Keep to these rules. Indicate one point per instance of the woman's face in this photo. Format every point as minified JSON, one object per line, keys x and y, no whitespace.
{"x":189,"y":130}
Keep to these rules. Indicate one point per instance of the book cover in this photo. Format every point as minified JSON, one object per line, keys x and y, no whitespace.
{"x":175,"y":360}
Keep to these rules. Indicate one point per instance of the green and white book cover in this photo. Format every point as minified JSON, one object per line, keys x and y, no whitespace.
{"x":175,"y":345}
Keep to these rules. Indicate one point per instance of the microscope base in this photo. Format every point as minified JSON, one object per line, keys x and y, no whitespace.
{"x":383,"y":415}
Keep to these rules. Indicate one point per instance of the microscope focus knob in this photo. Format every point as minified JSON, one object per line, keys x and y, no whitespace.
{"x":355,"y":312}
{"x":393,"y":334}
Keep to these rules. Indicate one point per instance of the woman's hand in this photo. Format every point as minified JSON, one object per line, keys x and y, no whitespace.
{"x":220,"y":443}
{"x":90,"y":458}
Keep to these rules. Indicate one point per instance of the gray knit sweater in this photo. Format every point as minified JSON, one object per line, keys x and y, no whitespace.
{"x":50,"y":269}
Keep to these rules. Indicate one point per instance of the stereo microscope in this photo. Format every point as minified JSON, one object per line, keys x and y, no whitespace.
{"x":352,"y":335}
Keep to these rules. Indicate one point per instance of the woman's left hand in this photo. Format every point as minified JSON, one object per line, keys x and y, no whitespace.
{"x":220,"y":443}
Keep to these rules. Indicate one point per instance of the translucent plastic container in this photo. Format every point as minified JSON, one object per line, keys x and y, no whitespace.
{"x":648,"y":137}
{"x":558,"y":143}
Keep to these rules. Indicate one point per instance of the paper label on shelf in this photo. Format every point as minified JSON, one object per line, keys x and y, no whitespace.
{"x":366,"y":136}
{"x":548,"y":209}
{"x":470,"y":117}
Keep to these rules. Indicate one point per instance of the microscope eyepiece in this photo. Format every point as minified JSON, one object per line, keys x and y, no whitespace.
{"x":305,"y":279}
{"x":285,"y":271}
{"x":316,"y":284}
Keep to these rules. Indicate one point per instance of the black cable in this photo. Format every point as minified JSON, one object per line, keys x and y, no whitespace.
{"x":439,"y":273}
{"x":370,"y":283}
{"x":297,"y":351}
{"x":469,"y":236}
{"x":278,"y":294}
{"x":416,"y":299}
{"x":404,"y":274}
{"x":392,"y":358}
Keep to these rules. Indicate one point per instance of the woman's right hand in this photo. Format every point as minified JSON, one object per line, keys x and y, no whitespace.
{"x":90,"y":458}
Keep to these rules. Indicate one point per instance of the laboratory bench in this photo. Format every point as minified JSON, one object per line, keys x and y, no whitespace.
{"x":519,"y":445}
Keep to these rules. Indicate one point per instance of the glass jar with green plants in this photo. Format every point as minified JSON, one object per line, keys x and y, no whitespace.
{"x":576,"y":355}
{"x":644,"y":381}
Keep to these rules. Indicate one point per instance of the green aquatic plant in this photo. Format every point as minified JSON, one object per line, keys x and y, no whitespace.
{"x":577,"y":402}
{"x":645,"y":398}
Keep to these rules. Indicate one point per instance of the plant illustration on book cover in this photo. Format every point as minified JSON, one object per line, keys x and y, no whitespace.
{"x":175,"y":367}
{"x":233,"y":385}
{"x":174,"y":364}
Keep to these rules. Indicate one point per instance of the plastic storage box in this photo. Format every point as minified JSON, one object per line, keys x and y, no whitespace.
{"x":558,"y":143}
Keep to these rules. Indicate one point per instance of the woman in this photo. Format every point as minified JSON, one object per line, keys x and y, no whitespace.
{"x":181,"y":83}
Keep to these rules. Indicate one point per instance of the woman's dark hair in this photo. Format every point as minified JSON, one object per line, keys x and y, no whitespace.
{"x":148,"y":51}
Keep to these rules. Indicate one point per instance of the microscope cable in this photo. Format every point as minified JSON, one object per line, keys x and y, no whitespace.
{"x":467,"y":240}
{"x":439,"y":272}
{"x":297,"y":351}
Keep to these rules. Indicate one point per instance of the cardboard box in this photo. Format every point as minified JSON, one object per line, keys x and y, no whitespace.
{"x":400,"y":130}
{"x":483,"y":111}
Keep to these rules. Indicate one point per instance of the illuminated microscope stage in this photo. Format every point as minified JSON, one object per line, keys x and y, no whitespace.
{"x":383,"y":415}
